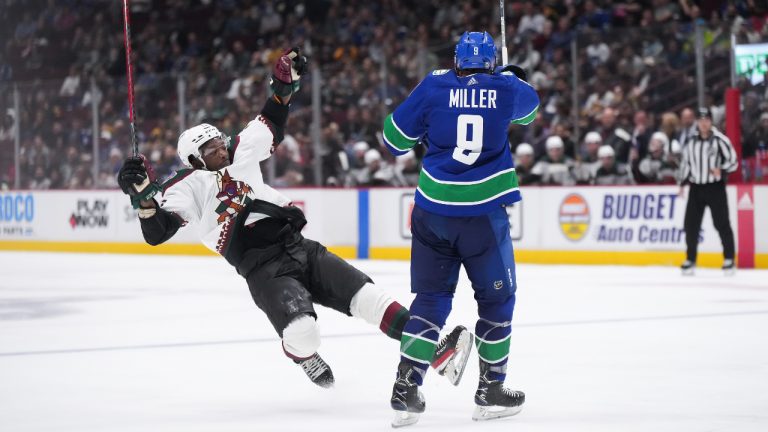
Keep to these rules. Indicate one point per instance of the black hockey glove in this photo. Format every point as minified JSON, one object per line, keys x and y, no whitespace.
{"x":515,"y":69}
{"x":295,"y":217}
{"x":287,"y":73}
{"x":137,"y":180}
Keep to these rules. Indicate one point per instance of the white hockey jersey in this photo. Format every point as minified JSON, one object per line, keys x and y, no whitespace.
{"x":210,"y":200}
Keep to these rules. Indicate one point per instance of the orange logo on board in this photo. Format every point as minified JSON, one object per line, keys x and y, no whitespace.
{"x":574,"y":217}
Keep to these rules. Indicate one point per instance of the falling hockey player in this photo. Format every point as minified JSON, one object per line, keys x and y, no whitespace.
{"x":466,"y":181}
{"x":223,"y":196}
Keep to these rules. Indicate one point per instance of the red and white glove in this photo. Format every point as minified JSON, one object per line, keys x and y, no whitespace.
{"x":287,"y":72}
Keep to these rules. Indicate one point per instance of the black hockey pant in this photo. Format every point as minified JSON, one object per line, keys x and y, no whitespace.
{"x":291,"y":276}
{"x":710,"y":195}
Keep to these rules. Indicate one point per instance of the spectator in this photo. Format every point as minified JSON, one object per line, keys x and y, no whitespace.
{"x":656,"y":166}
{"x":641,"y":132}
{"x":561,"y":130}
{"x":336,"y":162}
{"x":626,"y":69}
{"x":378,"y":172}
{"x":524,"y":161}
{"x":71,"y":84}
{"x":592,"y":142}
{"x":408,"y":167}
{"x":594,"y":16}
{"x":670,"y":125}
{"x":687,"y":125}
{"x":288,"y":172}
{"x":359,"y":149}
{"x":665,"y":10}
{"x":561,"y":37}
{"x":555,"y":167}
{"x":584,"y":169}
{"x":81,"y":177}
{"x":36,"y":154}
{"x":610,"y":172}
{"x":40,"y":180}
{"x":598,"y":52}
{"x":614,"y":135}
{"x":7,"y":129}
{"x":532,"y":21}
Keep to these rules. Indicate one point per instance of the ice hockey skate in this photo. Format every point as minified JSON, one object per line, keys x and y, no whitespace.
{"x":452,"y":354}
{"x":317,"y":370}
{"x":407,"y":400}
{"x":688,"y":267}
{"x":493,"y":400}
{"x":729,"y":267}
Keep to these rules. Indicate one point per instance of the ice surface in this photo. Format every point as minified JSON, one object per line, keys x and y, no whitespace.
{"x":140,"y":343}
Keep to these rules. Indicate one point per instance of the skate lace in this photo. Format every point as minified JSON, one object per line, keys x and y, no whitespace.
{"x":445,"y":342}
{"x":510,"y":393}
{"x":313,"y":367}
{"x":400,"y":395}
{"x":486,"y":383}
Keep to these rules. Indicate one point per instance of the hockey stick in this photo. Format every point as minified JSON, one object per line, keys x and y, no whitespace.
{"x":129,"y":74}
{"x":504,"y":57}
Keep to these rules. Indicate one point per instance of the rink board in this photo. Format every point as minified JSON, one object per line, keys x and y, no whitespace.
{"x":587,"y":225}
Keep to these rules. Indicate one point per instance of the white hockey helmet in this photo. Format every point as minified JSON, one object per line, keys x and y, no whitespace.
{"x":554,"y":142}
{"x":593,"y":137}
{"x":191,"y":139}
{"x":606,"y":151}
{"x":524,"y":149}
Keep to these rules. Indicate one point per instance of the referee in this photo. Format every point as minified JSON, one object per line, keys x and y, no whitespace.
{"x":707,"y":158}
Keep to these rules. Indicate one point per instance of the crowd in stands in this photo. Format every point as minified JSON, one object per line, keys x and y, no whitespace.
{"x":635,"y":69}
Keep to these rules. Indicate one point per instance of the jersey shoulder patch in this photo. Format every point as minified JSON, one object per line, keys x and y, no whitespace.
{"x":440,"y":72}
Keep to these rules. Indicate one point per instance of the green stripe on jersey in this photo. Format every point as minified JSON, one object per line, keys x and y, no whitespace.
{"x":467,"y":193}
{"x":492,"y":351}
{"x":417,"y":349}
{"x":527,"y":119}
{"x":394,"y":136}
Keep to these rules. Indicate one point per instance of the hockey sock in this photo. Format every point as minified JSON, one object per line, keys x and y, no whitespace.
{"x":492,"y":335}
{"x":421,"y":332}
{"x":301,"y":338}
{"x":377,"y":307}
{"x":394,"y":320}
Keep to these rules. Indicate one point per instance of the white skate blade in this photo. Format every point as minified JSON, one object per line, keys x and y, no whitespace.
{"x":404,"y":418}
{"x":454,"y":368}
{"x":688,"y":272}
{"x":489,"y":413}
{"x":730,"y":272}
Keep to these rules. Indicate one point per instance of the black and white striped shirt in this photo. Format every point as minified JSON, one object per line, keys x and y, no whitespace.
{"x":701,"y":155}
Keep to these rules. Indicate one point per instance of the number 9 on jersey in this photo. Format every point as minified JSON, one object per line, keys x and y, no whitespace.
{"x":468,"y":146}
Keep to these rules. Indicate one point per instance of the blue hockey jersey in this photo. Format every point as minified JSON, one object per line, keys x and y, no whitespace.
{"x":468,"y":168}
